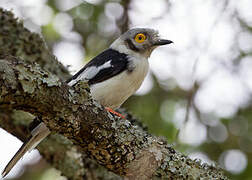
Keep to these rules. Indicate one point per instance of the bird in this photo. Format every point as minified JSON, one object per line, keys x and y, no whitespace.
{"x":113,"y":76}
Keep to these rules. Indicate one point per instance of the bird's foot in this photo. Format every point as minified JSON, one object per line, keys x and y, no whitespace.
{"x":114,"y":112}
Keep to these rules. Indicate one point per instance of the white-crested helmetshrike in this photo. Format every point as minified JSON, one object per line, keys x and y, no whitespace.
{"x":113,"y":76}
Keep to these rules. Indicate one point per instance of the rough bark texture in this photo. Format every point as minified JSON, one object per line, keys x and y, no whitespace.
{"x":13,"y":41}
{"x":116,"y":144}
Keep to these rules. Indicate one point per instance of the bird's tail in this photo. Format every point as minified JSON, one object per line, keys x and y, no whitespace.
{"x":39,"y":133}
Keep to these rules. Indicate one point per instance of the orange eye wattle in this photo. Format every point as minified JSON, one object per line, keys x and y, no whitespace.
{"x":140,"y":38}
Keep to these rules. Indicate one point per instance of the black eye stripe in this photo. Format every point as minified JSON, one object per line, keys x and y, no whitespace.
{"x":131,"y":45}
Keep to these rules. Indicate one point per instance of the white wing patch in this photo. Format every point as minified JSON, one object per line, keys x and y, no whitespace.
{"x":90,"y":72}
{"x":117,"y":89}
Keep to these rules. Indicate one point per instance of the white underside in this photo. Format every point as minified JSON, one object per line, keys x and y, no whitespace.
{"x":114,"y":91}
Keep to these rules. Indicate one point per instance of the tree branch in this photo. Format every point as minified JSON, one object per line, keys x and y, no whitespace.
{"x":62,"y":154}
{"x":116,"y":144}
{"x":15,"y":41}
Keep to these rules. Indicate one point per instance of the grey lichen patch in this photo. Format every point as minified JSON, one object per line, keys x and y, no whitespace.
{"x":51,"y":81}
{"x":26,"y":78}
{"x":27,"y":86}
{"x":176,"y":165}
{"x":72,"y":96}
{"x":48,"y":78}
{"x":130,"y":134}
{"x":7,"y":74}
{"x":79,"y":93}
{"x":22,"y":117}
{"x":32,"y":76}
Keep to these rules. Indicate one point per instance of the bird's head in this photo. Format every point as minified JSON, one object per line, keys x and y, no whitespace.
{"x":139,"y":40}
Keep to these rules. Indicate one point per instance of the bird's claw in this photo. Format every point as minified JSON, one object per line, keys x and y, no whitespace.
{"x":114,"y":112}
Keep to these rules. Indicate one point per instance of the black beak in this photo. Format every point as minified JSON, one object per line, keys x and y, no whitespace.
{"x":161,"y":42}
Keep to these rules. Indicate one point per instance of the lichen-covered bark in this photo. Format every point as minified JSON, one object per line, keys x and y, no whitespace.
{"x":59,"y":153}
{"x":116,"y":144}
{"x":15,"y":40}
{"x":56,"y":149}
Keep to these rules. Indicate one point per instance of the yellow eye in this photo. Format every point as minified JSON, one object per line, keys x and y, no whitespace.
{"x":140,"y":38}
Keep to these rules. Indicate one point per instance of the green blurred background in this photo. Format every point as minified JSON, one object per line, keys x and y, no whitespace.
{"x":198,"y":92}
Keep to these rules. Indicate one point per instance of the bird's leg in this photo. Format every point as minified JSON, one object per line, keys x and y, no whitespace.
{"x":114,"y":112}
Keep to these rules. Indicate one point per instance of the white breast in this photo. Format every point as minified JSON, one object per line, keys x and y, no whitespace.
{"x":114,"y":91}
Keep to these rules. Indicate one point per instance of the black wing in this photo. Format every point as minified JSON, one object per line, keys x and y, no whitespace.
{"x":118,"y":63}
